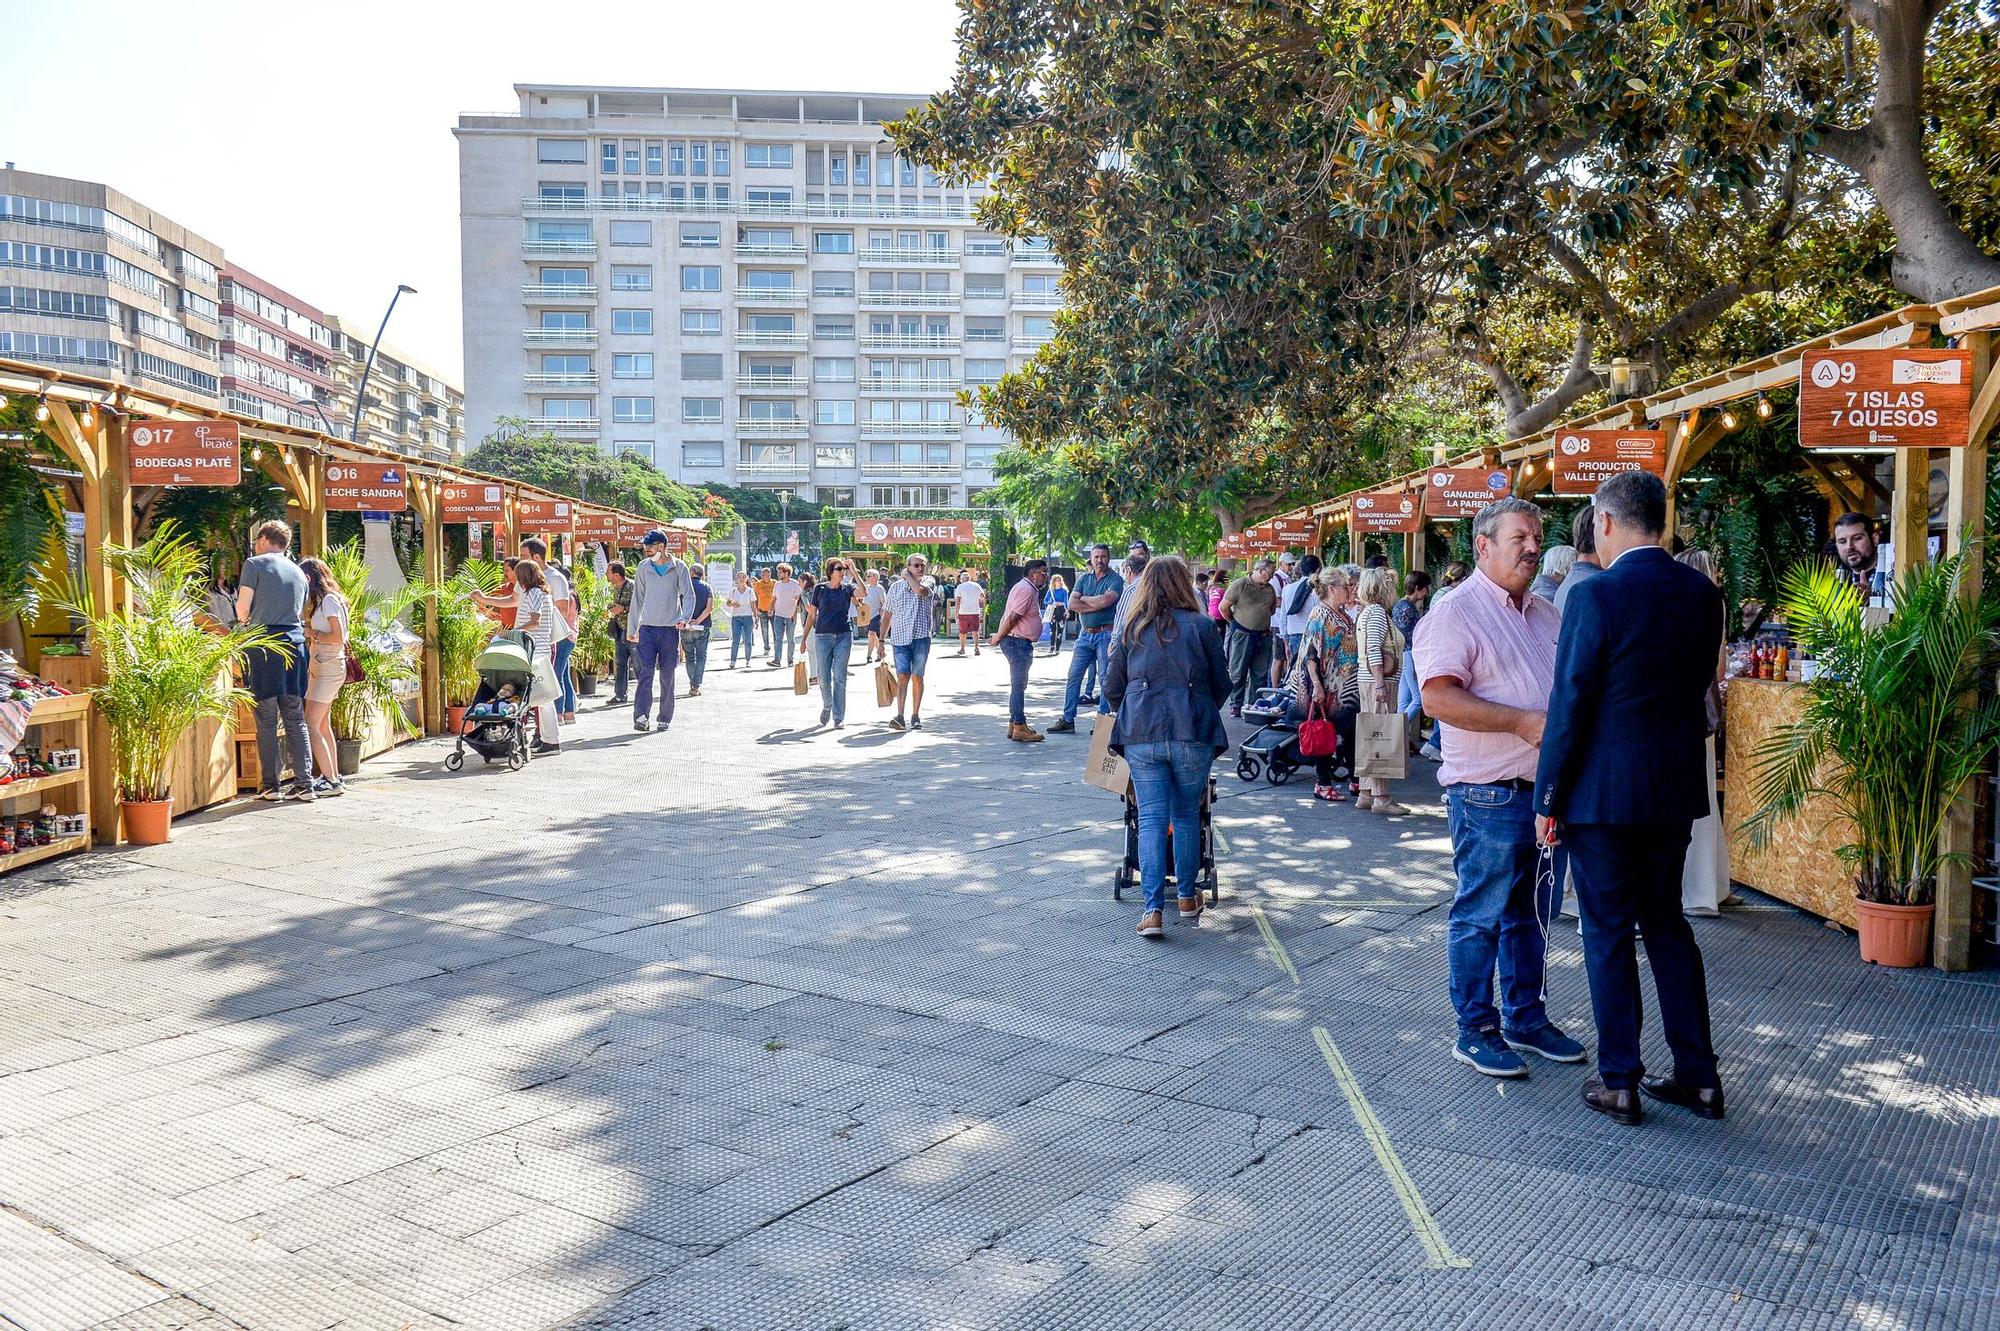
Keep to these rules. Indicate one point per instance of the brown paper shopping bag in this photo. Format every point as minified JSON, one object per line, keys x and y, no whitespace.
{"x":1380,"y":749}
{"x":1105,"y":769}
{"x":885,"y":685}
{"x":799,"y":684}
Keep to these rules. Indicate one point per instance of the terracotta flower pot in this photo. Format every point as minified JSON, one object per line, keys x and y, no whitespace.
{"x":1894,"y":935}
{"x":148,"y":822}
{"x":455,"y":719}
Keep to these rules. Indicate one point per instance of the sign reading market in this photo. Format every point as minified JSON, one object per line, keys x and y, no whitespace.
{"x":1460,"y":492}
{"x":914,"y":531}
{"x":184,"y":453}
{"x":472,"y":502}
{"x":1386,"y":511}
{"x":1906,"y":398}
{"x":376,"y":487}
{"x":1586,"y":459}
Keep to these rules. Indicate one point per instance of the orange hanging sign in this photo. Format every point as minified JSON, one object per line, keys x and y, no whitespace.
{"x":1586,"y":459}
{"x":1899,"y":398}
{"x":1460,"y":492}
{"x":183,"y":453}
{"x":1387,"y":511}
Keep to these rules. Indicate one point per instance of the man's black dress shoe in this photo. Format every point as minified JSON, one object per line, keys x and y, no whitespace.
{"x":1620,"y":1106}
{"x":1703,"y":1100}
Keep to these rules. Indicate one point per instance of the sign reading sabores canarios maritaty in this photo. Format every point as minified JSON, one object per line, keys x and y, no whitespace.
{"x":1386,"y":511}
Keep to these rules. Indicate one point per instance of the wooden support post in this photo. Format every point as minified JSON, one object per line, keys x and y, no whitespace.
{"x":1680,"y":446}
{"x":1846,"y":497}
{"x":424,"y":495}
{"x":1965,"y":530}
{"x":1413,"y":545}
{"x":1909,"y":509}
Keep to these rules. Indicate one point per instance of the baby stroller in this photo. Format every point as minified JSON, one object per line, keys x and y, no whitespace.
{"x":495,"y":725}
{"x":1127,"y":874}
{"x":1272,"y":751}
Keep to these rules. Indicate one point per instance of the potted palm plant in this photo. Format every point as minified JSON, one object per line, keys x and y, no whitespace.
{"x":1892,"y":730}
{"x":384,"y":663}
{"x":162,"y":670}
{"x":592,"y":655}
{"x":463,"y":630}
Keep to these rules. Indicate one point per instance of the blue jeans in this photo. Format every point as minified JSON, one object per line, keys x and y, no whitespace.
{"x":782,"y":628}
{"x":1169,"y":778}
{"x":1494,"y":918}
{"x":659,"y":652}
{"x":621,"y":666}
{"x":912,"y":657}
{"x":563,"y":650}
{"x":1020,"y":654}
{"x":830,"y":653}
{"x":1409,"y":697}
{"x":694,"y":650}
{"x":764,"y":623}
{"x":1091,"y":655}
{"x":742,"y":633}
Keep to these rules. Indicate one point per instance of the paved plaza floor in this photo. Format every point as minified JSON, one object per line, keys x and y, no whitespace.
{"x":756,"y":1025}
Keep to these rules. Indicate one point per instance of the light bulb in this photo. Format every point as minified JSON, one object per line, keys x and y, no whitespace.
{"x":87,"y":419}
{"x":1728,"y":420}
{"x":1763,"y":407}
{"x":41,"y":408}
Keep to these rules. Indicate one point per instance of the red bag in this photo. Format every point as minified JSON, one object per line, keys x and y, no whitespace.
{"x":1317,"y":737}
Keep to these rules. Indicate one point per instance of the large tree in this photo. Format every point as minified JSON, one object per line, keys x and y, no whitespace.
{"x":580,"y":470}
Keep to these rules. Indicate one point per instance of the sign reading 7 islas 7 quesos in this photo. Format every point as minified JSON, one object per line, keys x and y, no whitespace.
{"x":1897,"y":398}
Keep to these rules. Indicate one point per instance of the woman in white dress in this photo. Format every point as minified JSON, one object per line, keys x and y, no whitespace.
{"x":1705,"y":876}
{"x":326,"y":651}
{"x":535,"y":615}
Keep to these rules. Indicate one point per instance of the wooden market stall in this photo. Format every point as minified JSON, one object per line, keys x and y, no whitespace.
{"x":90,"y":422}
{"x":1680,"y":425}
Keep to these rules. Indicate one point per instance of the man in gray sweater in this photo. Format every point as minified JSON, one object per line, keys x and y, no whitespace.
{"x":662,"y":600}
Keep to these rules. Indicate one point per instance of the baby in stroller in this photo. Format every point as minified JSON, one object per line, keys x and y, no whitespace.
{"x":1272,"y":750}
{"x":495,"y":721}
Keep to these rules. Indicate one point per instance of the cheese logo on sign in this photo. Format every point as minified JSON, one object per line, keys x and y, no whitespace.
{"x":1405,"y":507}
{"x":1921,"y":372}
{"x":1497,"y":481}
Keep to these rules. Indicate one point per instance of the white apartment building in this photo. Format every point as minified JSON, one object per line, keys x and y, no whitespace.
{"x":748,"y":288}
{"x":411,"y":408}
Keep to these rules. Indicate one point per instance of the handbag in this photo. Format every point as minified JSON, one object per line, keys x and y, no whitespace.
{"x":1318,"y":737}
{"x":355,"y":674}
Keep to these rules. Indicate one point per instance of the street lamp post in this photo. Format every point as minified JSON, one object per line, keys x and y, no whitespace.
{"x":784,"y":522}
{"x":320,"y":412}
{"x":361,"y":393}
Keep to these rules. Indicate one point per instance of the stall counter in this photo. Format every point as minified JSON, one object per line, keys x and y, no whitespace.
{"x":1798,"y":865}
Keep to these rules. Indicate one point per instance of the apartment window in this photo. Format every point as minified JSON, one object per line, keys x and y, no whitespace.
{"x":700,"y":277}
{"x":565,"y":319}
{"x":632,"y":189}
{"x":861,"y":163}
{"x":777,"y":155}
{"x":566,"y":408}
{"x":632,"y":365}
{"x":701,"y":453}
{"x":676,"y":159}
{"x":609,"y":157}
{"x":559,"y":364}
{"x":1041,"y":284}
{"x":938,"y":496}
{"x":882,"y":279}
{"x":640,"y":447}
{"x":632,"y":321}
{"x":984,"y":371}
{"x":837,"y":170}
{"x":833,"y":413}
{"x":701,"y":323}
{"x":937,"y":282}
{"x":653,"y":158}
{"x":561,"y":150}
{"x":982,"y":455}
{"x":833,"y":369}
{"x":701,"y":235}
{"x":632,"y":277}
{"x":700,"y":193}
{"x":981,"y":286}
{"x":833,"y":242}
{"x":565,"y":231}
{"x":701,"y":409}
{"x":882,"y":411}
{"x":697,"y":159}
{"x":985,"y":330}
{"x":561,"y":189}
{"x":766,"y":279}
{"x":722,"y":194}
{"x":985,"y":246}
{"x":763,"y":409}
{"x":835,"y":328}
{"x":701,"y":365}
{"x":655,"y":190}
{"x":631,"y":157}
{"x":1037,"y":328}
{"x":766,"y":195}
{"x":565,"y":277}
{"x":631,"y":233}
{"x":833,"y":284}
{"x":882,"y":496}
{"x":906,"y":172}
{"x":721,"y":167}
{"x":632,"y":410}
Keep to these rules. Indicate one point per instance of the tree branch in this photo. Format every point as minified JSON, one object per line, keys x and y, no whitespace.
{"x":1579,"y":382}
{"x":1574,"y":264}
{"x":1477,"y":348}
{"x":1705,"y":309}
{"x":1849,"y":147}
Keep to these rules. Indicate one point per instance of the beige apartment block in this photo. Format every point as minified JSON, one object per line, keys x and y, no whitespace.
{"x":746,"y":287}
{"x":411,"y":407}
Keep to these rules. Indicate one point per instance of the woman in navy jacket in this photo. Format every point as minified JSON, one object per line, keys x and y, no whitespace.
{"x":1166,"y":682}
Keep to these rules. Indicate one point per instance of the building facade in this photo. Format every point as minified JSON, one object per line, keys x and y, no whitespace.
{"x":748,"y":288}
{"x":277,"y":352}
{"x":97,"y":282}
{"x":411,"y":408}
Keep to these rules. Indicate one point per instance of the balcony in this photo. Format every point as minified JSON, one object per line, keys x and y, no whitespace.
{"x":906,"y":256}
{"x":942,"y":471}
{"x":1038,"y":300}
{"x":925,"y":384}
{"x":782,"y":297}
{"x":774,"y":471}
{"x":912,"y":429}
{"x":544,"y":292}
{"x":579,"y":247}
{"x":986,"y":293}
{"x":770,"y":253}
{"x":770,"y":341}
{"x":909,"y":300}
{"x":1029,"y":346}
{"x":567,"y":427}
{"x":559,"y":337}
{"x":772,"y":383}
{"x":1036,"y":258}
{"x":537,"y":383}
{"x":772,"y":429}
{"x":908,"y":342}
{"x":655,"y":203}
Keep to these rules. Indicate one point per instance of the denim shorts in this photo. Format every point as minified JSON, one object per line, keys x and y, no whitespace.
{"x":912,"y":656}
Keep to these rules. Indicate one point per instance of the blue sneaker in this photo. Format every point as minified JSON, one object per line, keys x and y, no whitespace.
{"x":1549,"y":1042}
{"x":1486,"y":1052}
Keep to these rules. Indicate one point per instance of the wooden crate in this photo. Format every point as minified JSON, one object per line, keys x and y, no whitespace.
{"x":53,"y":723}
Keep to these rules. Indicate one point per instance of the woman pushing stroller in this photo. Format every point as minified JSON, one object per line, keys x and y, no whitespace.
{"x":535,"y":615}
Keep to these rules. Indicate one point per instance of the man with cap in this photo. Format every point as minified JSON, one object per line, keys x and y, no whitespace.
{"x":1135,"y":563}
{"x":663,"y":598}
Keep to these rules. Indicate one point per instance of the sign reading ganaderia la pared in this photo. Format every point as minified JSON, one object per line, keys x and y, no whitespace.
{"x":1460,"y":492}
{"x":914,"y":531}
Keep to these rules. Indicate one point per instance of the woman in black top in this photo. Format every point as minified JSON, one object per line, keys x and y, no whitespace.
{"x":1166,"y":682}
{"x":830,"y":637}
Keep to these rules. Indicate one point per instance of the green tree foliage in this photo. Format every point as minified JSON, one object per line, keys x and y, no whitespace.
{"x":580,"y":470}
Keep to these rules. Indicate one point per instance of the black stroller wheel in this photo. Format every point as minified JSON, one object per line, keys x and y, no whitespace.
{"x":453,"y":761}
{"x":1121,"y":878}
{"x":1280,"y":773}
{"x":516,"y":760}
{"x":1247,"y":768}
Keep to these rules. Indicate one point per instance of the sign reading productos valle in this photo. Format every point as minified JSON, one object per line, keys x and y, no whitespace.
{"x":184,"y":453}
{"x":1586,"y":459}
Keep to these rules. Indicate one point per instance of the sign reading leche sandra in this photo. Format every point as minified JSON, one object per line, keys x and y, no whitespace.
{"x":1908,"y":398}
{"x":184,"y":453}
{"x":1460,"y":492}
{"x":1586,"y":459}
{"x":375,"y":486}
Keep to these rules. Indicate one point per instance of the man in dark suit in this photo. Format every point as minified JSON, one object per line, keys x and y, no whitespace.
{"x":1622,"y":777}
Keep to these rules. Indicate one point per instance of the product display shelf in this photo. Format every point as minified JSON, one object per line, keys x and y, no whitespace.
{"x":53,"y":723}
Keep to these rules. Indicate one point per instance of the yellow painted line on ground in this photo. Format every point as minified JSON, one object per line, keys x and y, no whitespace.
{"x":1278,"y":953}
{"x":1428,"y":1233}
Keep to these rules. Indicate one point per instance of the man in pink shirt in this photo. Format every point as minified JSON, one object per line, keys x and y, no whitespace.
{"x":1020,"y":630}
{"x":1486,"y":662}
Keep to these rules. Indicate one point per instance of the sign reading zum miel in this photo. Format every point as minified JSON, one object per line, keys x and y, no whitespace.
{"x":596,"y":525}
{"x":1586,"y":459}
{"x":914,"y":531}
{"x":1460,"y":492}
{"x":1908,"y":398}
{"x":1387,"y":511}
{"x":184,"y":453}
{"x":379,"y":487}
